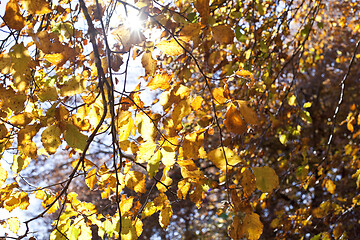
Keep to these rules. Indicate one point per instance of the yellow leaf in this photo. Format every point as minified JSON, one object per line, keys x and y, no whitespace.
{"x":217,"y":156}
{"x":168,"y":156}
{"x":14,"y":224}
{"x":165,"y":215}
{"x":75,"y":138}
{"x":247,"y":112}
{"x":189,"y":169}
{"x":125,"y":125}
{"x":146,"y":151}
{"x":161,"y":81}
{"x":17,"y":199}
{"x":170,"y":47}
{"x":13,"y":17}
{"x":148,"y":63}
{"x":233,"y":120}
{"x":183,"y":189}
{"x":50,"y":138}
{"x":165,"y":179}
{"x":153,"y":164}
{"x":196,"y":103}
{"x":40,"y":194}
{"x":146,"y":127}
{"x":330,"y":186}
{"x":19,"y":163}
{"x":36,"y":6}
{"x":21,"y":119}
{"x":91,"y":178}
{"x":192,"y":144}
{"x":218,"y":94}
{"x":181,"y":110}
{"x":135,"y":181}
{"x":3,"y":176}
{"x":223,"y":34}
{"x":75,"y":85}
{"x":244,"y":73}
{"x":126,"y":204}
{"x":266,"y":179}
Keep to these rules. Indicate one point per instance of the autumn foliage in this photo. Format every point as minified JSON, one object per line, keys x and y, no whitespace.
{"x":213,"y":119}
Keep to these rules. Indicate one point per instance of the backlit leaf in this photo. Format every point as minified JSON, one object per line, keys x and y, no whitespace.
{"x":135,"y":181}
{"x":36,"y":6}
{"x":50,"y":138}
{"x":146,"y":151}
{"x":250,"y":227}
{"x":13,"y":17}
{"x":153,"y":164}
{"x":217,"y":157}
{"x":170,"y":47}
{"x":248,"y":114}
{"x":3,"y":176}
{"x":160,"y":81}
{"x":14,"y":224}
{"x":266,"y":179}
{"x":75,"y":138}
{"x":19,"y":163}
{"x":165,"y":215}
{"x":148,"y":63}
{"x":91,"y":178}
{"x":233,"y":120}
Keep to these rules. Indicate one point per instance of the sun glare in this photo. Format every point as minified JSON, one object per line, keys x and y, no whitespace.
{"x":134,"y":21}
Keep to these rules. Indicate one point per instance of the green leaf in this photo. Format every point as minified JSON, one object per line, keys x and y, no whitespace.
{"x":75,"y":138}
{"x":266,"y":179}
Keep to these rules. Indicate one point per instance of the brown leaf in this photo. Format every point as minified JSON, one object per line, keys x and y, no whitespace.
{"x":223,"y":34}
{"x":13,"y":17}
{"x":233,"y":120}
{"x":202,"y":6}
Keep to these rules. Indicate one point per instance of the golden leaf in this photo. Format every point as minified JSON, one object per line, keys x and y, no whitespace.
{"x":126,"y":204}
{"x":250,"y":227}
{"x":75,"y":85}
{"x":330,"y":186}
{"x":196,"y":103}
{"x":17,"y":199}
{"x":181,"y":110}
{"x":218,"y":95}
{"x":148,"y":63}
{"x":168,"y":156}
{"x":3,"y":176}
{"x":248,"y":182}
{"x":248,"y":114}
{"x":21,"y":119}
{"x":14,"y":224}
{"x":165,"y":179}
{"x":170,"y":47}
{"x":36,"y":6}
{"x":191,"y":30}
{"x":19,"y":163}
{"x":161,"y":81}
{"x":192,"y":144}
{"x":91,"y":178}
{"x":233,"y":120}
{"x":125,"y":125}
{"x":165,"y":215}
{"x":217,"y":156}
{"x":135,"y":181}
{"x":244,"y":73}
{"x":146,"y":127}
{"x":183,"y":189}
{"x":50,"y":138}
{"x":13,"y":17}
{"x":266,"y":179}
{"x":190,"y":170}
{"x":146,"y":151}
{"x":223,"y":34}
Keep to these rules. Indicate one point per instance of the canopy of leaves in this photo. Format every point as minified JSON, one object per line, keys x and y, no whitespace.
{"x":209,"y":120}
